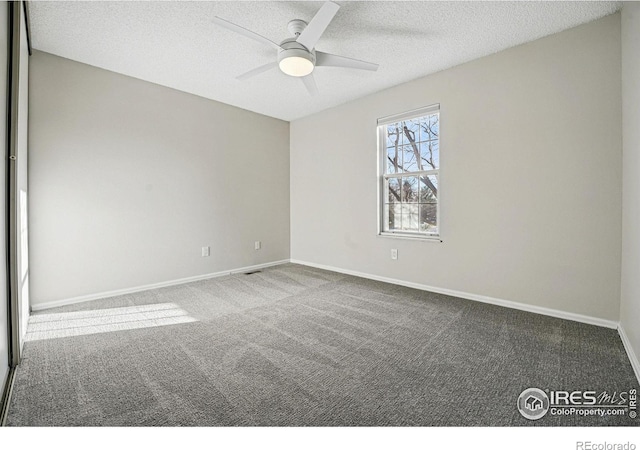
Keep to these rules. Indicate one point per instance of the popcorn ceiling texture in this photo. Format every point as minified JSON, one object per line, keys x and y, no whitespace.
{"x":175,"y":44}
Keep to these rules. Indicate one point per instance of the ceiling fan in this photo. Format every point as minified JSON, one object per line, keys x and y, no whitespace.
{"x":297,"y":56}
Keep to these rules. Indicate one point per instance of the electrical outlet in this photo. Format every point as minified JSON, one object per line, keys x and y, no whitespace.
{"x":206,"y":251}
{"x":394,"y":253}
{"x":257,"y":245}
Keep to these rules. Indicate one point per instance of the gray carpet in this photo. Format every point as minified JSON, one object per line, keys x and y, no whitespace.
{"x":296,"y":346}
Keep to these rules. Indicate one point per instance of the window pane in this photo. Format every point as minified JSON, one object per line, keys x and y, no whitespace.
{"x":394,"y":135}
{"x":385,"y":217}
{"x":390,"y":141}
{"x":434,"y":126}
{"x":392,"y":190}
{"x":429,"y":218}
{"x":410,"y":216}
{"x":424,"y":129}
{"x":394,"y":160}
{"x":429,"y":189}
{"x":392,"y":214}
{"x":430,"y":155}
{"x":410,"y":163}
{"x":410,"y":189}
{"x":399,"y":129}
{"x":411,"y":130}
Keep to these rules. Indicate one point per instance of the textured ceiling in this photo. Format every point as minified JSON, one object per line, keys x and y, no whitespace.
{"x":176,"y":44}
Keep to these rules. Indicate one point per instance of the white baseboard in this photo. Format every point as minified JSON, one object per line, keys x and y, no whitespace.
{"x":633,"y":358}
{"x":480,"y":298}
{"x":86,"y":298}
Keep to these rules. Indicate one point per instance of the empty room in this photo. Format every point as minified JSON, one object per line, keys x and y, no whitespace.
{"x":320,"y":214}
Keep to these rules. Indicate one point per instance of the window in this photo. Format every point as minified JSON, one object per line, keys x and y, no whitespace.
{"x":409,"y":146}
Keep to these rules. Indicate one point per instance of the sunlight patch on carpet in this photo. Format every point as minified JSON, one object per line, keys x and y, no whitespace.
{"x":78,"y":323}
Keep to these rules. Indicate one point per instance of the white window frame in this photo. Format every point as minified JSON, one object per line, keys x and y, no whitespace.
{"x":382,"y":164}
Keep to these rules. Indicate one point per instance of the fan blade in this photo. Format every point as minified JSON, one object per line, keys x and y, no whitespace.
{"x":312,"y":33}
{"x":327,"y":59}
{"x":243,"y":31}
{"x":310,"y":84}
{"x":256,"y":71}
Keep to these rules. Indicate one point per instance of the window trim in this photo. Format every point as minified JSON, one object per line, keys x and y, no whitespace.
{"x":393,"y":118}
{"x":382,"y":176}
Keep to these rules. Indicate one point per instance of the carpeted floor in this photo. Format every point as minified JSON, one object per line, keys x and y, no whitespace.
{"x":296,"y":346}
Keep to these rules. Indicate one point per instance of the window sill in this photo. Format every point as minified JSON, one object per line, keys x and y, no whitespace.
{"x":411,"y":237}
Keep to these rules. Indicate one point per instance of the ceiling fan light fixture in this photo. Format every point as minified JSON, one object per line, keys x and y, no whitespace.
{"x":296,"y":66}
{"x":295,"y":60}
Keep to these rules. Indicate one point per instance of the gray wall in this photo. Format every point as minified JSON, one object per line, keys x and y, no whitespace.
{"x":530,"y":177}
{"x":630,"y":303}
{"x":128,"y":180}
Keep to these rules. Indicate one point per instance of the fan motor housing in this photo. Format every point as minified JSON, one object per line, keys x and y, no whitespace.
{"x":296,"y":26}
{"x":290,"y":48}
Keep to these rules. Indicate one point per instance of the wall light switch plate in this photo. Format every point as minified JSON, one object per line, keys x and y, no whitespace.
{"x":257,"y":245}
{"x":394,"y":253}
